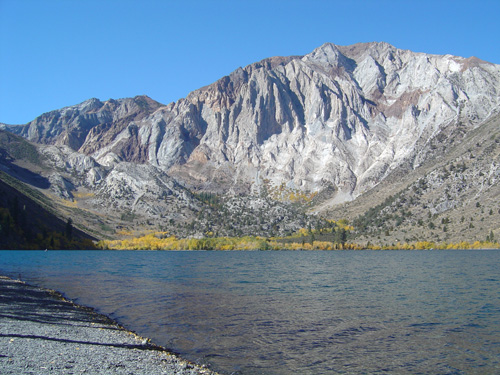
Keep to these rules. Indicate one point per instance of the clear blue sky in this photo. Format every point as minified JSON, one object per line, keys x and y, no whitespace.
{"x":56,"y":53}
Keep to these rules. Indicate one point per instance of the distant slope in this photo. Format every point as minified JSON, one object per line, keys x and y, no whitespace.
{"x":30,"y":219}
{"x":26,"y":224}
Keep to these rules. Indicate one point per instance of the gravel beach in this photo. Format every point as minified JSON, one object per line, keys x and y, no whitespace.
{"x":43,"y":333}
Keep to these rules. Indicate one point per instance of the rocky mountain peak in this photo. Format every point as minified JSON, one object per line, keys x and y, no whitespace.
{"x":89,"y":105}
{"x":71,"y":125}
{"x":327,"y":53}
{"x":345,"y":115}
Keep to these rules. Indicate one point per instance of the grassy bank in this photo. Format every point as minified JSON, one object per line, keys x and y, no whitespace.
{"x":164,"y":241}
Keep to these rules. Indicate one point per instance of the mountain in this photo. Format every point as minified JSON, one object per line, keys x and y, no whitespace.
{"x":328,"y":127}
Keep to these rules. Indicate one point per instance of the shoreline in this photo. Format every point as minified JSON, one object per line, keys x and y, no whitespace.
{"x":42,"y":332}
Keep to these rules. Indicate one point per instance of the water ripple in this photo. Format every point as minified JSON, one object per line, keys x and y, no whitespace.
{"x":294,"y":312}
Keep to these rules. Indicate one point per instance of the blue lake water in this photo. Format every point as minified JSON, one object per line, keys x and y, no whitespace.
{"x":284,"y":312}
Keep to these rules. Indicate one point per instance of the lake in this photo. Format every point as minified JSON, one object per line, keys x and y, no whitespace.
{"x":284,"y":312}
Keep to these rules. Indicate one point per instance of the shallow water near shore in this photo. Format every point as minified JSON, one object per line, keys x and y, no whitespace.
{"x":262,"y":312}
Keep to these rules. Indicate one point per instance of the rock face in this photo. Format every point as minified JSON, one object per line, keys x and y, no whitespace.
{"x":87,"y":127}
{"x":341,"y":117}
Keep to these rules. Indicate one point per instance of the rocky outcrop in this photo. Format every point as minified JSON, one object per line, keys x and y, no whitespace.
{"x":80,"y":126}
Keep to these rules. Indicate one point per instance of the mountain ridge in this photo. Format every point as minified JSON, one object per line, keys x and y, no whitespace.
{"x":333,"y":123}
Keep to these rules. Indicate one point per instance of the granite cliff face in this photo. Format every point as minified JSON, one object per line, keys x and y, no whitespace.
{"x":345,"y":116}
{"x":341,"y":117}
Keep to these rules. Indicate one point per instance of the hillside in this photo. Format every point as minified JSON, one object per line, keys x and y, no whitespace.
{"x":455,"y":196}
{"x":27,"y":221}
